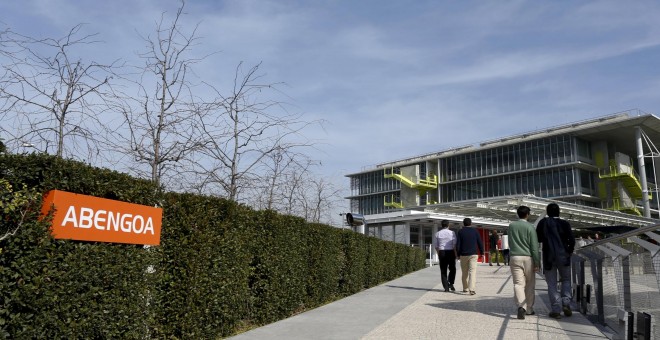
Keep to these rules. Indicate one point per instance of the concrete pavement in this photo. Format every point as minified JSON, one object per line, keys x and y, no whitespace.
{"x":416,"y":307}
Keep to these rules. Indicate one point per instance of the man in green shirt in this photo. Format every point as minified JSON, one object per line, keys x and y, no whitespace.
{"x":524,"y":262}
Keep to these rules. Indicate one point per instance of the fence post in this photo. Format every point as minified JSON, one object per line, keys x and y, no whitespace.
{"x":431,"y":255}
{"x":596,"y":262}
{"x":654,"y":249}
{"x":643,"y":326}
{"x":579,"y":279}
{"x":621,"y":262}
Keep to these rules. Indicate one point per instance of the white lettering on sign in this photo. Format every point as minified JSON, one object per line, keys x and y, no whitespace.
{"x":107,"y":220}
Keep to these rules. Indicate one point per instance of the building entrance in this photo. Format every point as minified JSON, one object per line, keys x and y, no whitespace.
{"x":421,"y":236}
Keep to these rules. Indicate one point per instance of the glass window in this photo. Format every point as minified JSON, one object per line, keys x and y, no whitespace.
{"x":556,"y":183}
{"x":529,"y":156}
{"x":586,"y":181}
{"x":399,"y":233}
{"x":387,"y":232}
{"x":583,"y":148}
{"x":428,"y":236}
{"x":570,"y":182}
{"x":547,"y":153}
{"x":414,"y":235}
{"x":480,"y":165}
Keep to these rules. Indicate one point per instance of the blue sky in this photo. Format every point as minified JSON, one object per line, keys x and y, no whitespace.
{"x":395,"y":79}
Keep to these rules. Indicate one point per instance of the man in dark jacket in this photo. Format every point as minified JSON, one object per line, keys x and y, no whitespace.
{"x":558,"y":245}
{"x":468,"y":241}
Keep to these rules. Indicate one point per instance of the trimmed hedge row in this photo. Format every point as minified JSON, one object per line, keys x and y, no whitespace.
{"x":221,"y":267}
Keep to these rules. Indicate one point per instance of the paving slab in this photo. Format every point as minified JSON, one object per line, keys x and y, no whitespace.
{"x":416,"y":307}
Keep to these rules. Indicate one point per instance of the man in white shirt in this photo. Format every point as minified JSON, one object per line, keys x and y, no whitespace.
{"x":444,"y":243}
{"x":505,"y":248}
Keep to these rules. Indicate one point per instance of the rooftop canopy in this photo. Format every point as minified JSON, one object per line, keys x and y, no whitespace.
{"x":499,"y":212}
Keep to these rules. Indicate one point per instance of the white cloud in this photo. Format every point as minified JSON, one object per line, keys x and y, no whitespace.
{"x":395,"y":79}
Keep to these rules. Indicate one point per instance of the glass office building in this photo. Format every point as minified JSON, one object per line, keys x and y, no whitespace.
{"x":605,"y":165}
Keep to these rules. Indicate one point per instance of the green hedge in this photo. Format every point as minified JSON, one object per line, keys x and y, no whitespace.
{"x":62,"y":289}
{"x":202,"y":269}
{"x":221,"y":267}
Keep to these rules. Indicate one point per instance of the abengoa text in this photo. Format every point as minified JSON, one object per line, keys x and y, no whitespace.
{"x":107,"y":220}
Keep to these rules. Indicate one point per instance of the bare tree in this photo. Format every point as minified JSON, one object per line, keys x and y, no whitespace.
{"x":6,"y":46}
{"x":276,"y":169}
{"x":241,"y":130}
{"x":161,"y":118}
{"x":291,"y":186}
{"x":54,"y":100}
{"x":309,"y":195}
{"x":321,"y":198}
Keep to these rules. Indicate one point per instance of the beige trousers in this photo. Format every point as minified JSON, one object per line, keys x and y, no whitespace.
{"x":524,"y":280}
{"x":469,"y":272}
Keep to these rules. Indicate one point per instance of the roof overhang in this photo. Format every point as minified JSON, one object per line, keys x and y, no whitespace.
{"x":499,"y":212}
{"x":431,"y":218}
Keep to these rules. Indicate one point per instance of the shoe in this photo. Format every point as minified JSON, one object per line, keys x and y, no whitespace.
{"x":452,"y":288}
{"x":472,"y":292}
{"x":498,"y":264}
{"x":490,"y":264}
{"x":521,"y":313}
{"x":567,"y":310}
{"x":446,"y":290}
{"x":555,"y":315}
{"x":531,"y":313}
{"x":465,"y":290}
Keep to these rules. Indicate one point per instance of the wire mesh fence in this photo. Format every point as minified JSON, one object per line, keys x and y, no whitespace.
{"x":616,"y":283}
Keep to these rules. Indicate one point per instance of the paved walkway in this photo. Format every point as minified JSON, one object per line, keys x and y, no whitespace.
{"x":416,"y":307}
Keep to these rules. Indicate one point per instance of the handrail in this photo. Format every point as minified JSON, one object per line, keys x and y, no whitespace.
{"x":623,"y":236}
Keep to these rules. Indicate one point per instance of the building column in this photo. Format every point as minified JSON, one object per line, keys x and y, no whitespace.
{"x":642,"y":172}
{"x":406,"y":232}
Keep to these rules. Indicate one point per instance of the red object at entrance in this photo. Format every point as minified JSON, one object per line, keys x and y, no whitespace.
{"x":484,"y":238}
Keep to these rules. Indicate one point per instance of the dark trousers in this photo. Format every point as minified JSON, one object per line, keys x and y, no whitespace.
{"x":505,"y":253}
{"x":447,"y":260}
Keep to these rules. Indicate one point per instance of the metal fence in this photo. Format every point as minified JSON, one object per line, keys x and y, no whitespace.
{"x":616,"y":283}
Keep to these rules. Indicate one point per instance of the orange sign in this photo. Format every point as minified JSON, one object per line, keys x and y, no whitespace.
{"x":89,"y":218}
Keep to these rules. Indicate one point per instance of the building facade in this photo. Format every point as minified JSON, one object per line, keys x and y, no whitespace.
{"x":605,"y":166}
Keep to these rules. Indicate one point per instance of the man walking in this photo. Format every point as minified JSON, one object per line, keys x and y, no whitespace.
{"x":467,"y":243}
{"x":494,"y":248}
{"x":524,"y":262}
{"x":558,"y":244}
{"x":445,"y":244}
{"x":505,"y":248}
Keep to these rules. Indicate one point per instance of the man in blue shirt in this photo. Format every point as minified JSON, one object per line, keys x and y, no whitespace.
{"x":468,"y":241}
